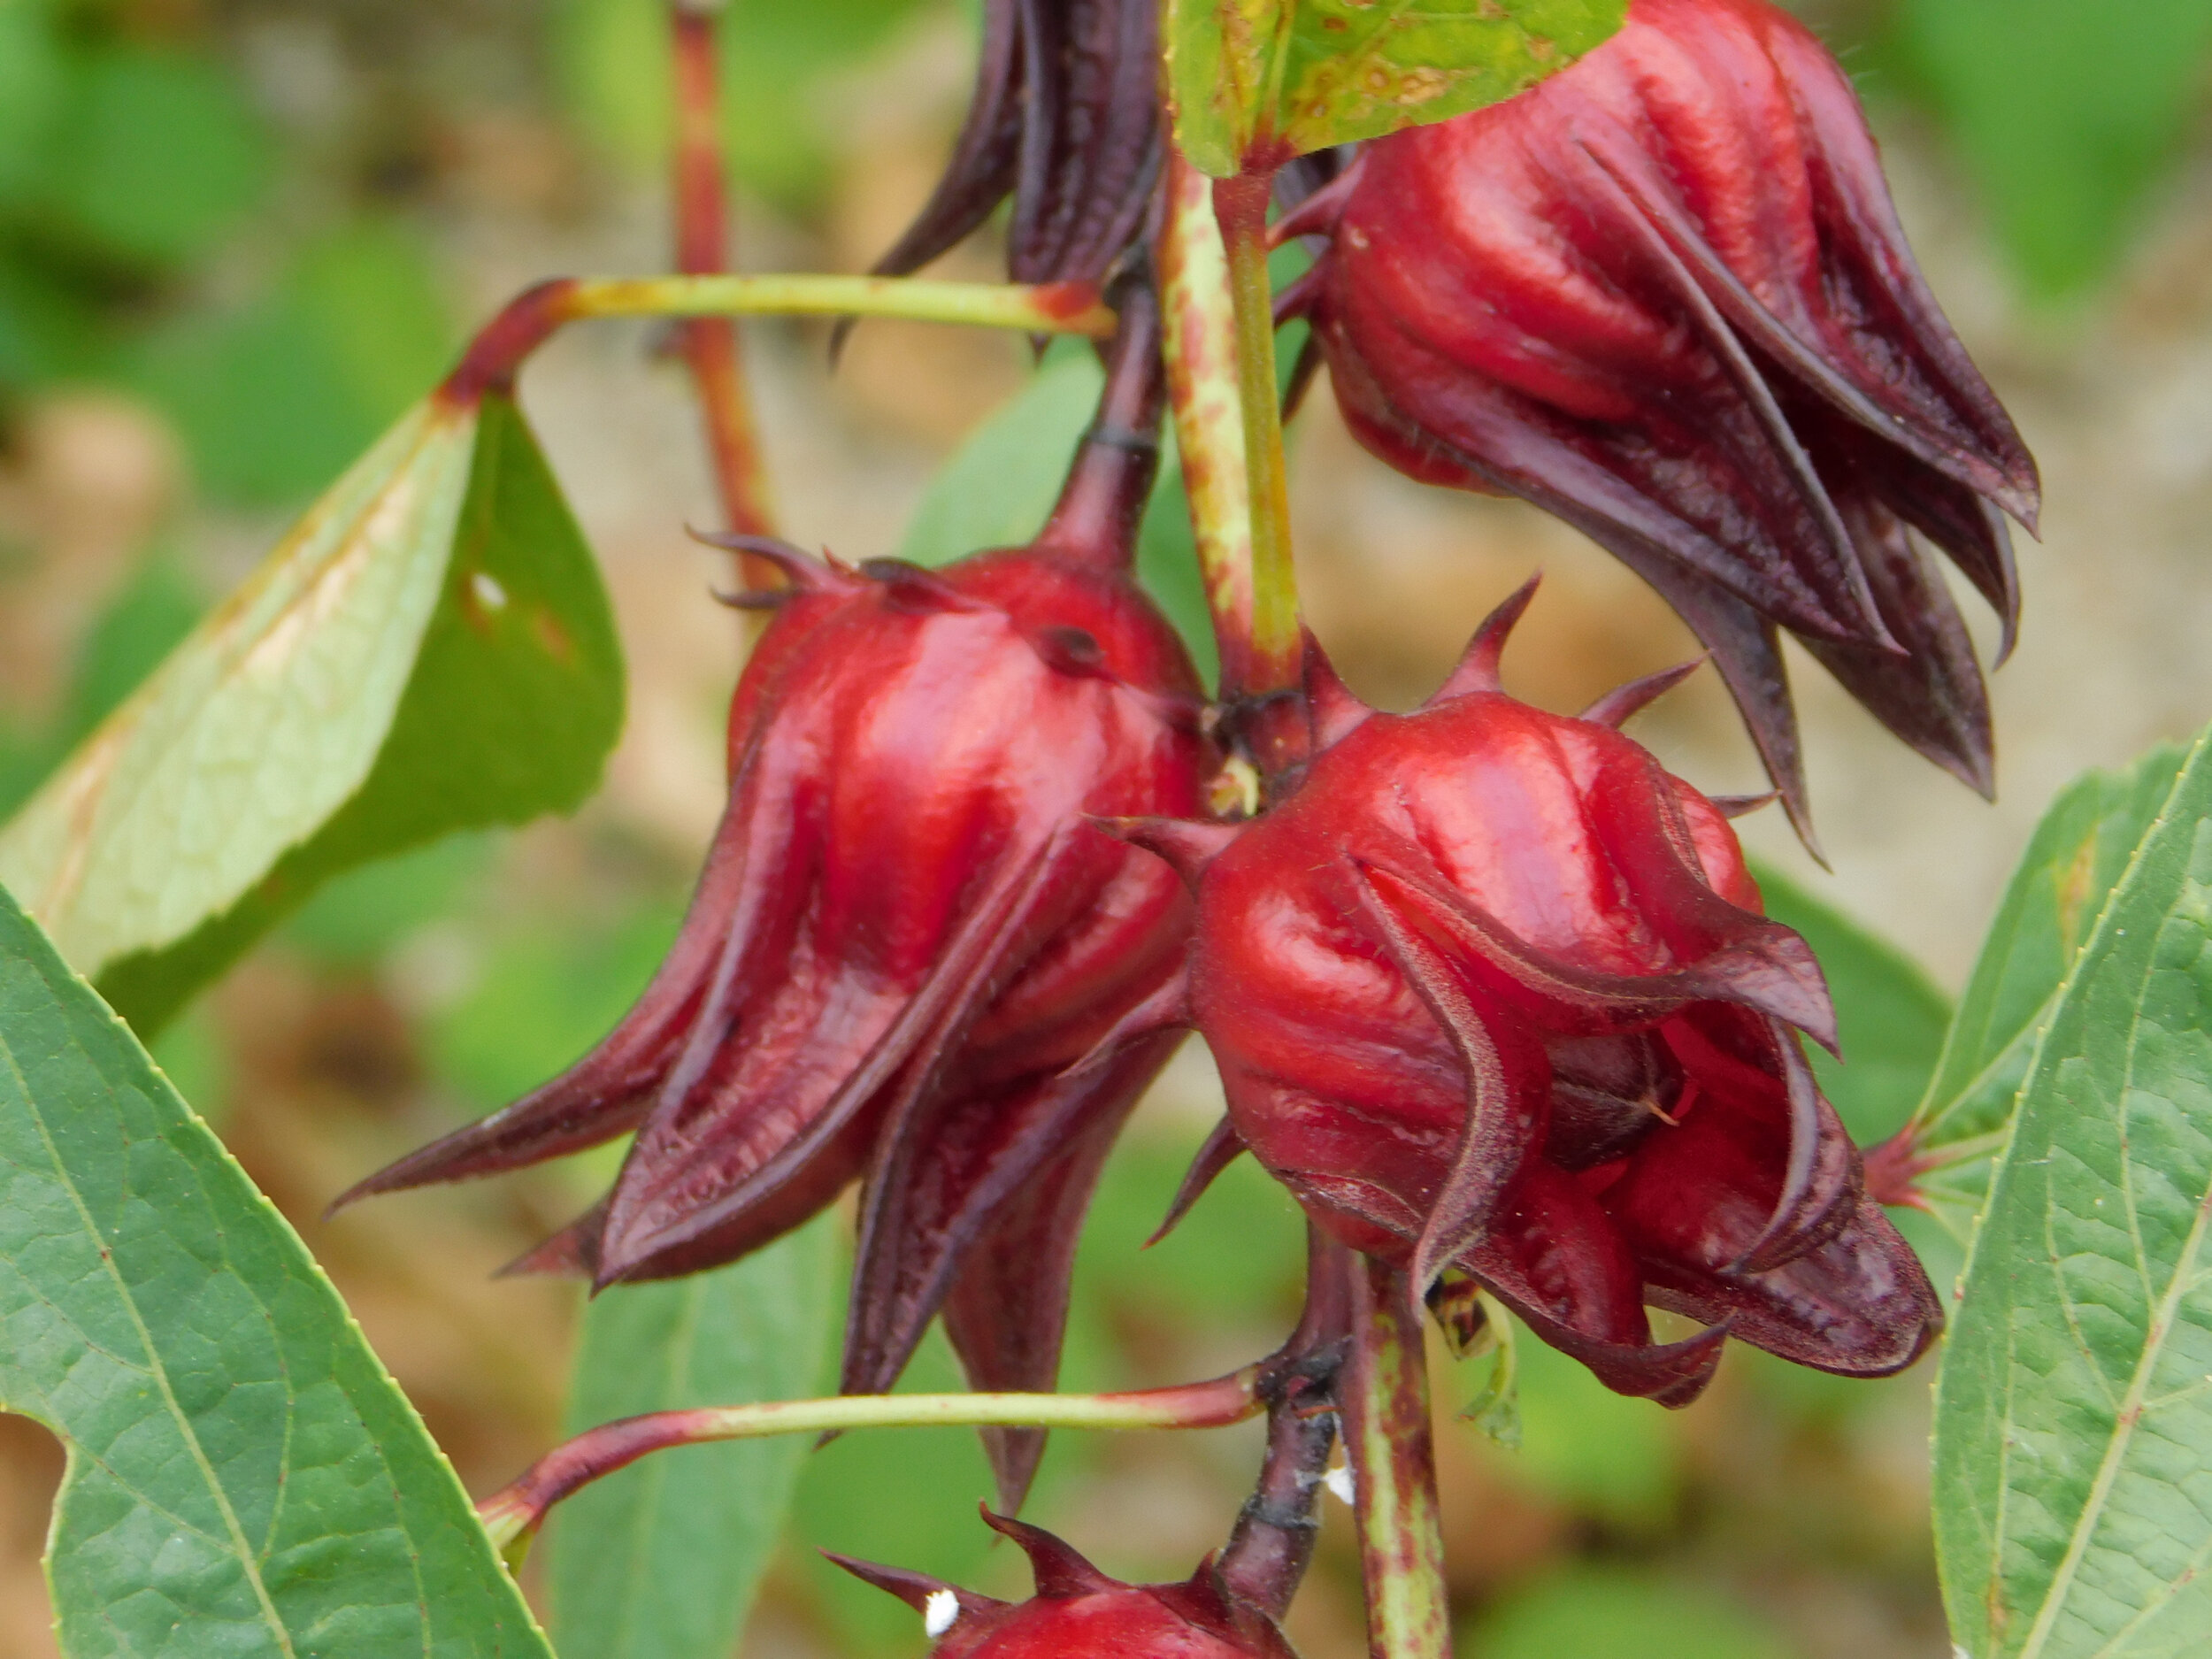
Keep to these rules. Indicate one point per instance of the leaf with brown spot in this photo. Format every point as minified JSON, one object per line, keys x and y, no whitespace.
{"x":1256,"y":82}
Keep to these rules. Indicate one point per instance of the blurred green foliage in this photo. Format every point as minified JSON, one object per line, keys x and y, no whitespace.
{"x":2067,"y":113}
{"x":1612,"y":1613}
{"x":779,"y":65}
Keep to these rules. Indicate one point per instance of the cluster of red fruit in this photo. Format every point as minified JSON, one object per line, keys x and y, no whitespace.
{"x":1490,"y":992}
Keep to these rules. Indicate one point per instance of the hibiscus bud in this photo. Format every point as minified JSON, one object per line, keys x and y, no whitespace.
{"x":907,"y":936}
{"x":1065,"y":118}
{"x":1080,"y":1613}
{"x":1664,"y":295}
{"x":1492,"y":991}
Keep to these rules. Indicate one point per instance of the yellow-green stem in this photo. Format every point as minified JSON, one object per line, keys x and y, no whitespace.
{"x":1199,"y":332}
{"x":513,"y":1512}
{"x":1386,"y":1402}
{"x":498,"y":351}
{"x":1240,"y":205}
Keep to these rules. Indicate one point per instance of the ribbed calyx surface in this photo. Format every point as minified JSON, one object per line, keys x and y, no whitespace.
{"x":1491,"y":994}
{"x":1664,"y":295}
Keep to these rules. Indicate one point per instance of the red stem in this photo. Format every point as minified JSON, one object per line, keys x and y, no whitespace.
{"x":711,"y":344}
{"x":1110,"y":482}
{"x":1272,"y":1544}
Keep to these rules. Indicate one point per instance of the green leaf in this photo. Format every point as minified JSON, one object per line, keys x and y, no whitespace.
{"x":2068,"y":115}
{"x":34,"y":78}
{"x":430,"y":650}
{"x":662,"y":1560}
{"x":244,"y":1478}
{"x":1891,"y":1017}
{"x":2077,"y":854}
{"x":157,"y":154}
{"x":1614,"y":1613}
{"x":2074,"y":1407}
{"x":1260,"y":81}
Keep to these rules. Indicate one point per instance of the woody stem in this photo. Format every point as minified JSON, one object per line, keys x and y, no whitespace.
{"x":514,"y":1512}
{"x":498,"y":351}
{"x":711,"y":345}
{"x":1385,"y":1399}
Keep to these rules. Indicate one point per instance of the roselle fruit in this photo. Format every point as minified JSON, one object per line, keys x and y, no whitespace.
{"x":1490,"y":992}
{"x":1064,"y":119}
{"x":1080,"y":1613}
{"x":907,"y":934}
{"x":1665,"y":296}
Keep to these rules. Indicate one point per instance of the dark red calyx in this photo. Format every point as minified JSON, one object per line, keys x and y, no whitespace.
{"x":1080,"y":1613}
{"x":907,"y":962}
{"x":1664,"y":295}
{"x":1486,"y":976}
{"x":1065,"y":118}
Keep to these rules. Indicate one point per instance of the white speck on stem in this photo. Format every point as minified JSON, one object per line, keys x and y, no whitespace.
{"x":1339,"y":1480}
{"x":488,"y":593}
{"x":940,"y":1612}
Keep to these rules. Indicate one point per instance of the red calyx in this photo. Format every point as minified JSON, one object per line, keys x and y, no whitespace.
{"x":1080,"y":1613}
{"x":908,"y":956}
{"x":1065,"y":118}
{"x":1492,"y":991}
{"x":1665,"y":296}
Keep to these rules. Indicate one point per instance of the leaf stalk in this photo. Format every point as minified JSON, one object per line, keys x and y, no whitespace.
{"x":514,"y":1512}
{"x":497,"y":353}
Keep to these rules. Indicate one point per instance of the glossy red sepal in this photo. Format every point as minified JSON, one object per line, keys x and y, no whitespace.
{"x":1665,"y":296}
{"x":1483,"y":966}
{"x":908,"y":941}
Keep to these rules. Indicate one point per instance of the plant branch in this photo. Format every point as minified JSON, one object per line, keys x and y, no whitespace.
{"x":1102,"y":505}
{"x":1200,"y":324}
{"x":497,"y":353}
{"x":711,"y":345}
{"x":1394,"y":1464}
{"x":1278,"y":652}
{"x":514,"y":1512}
{"x":1268,"y":1553}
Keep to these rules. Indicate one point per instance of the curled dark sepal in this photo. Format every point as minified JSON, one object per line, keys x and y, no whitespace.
{"x":1820,"y":1180}
{"x":1745,"y":958}
{"x":1736,"y":955}
{"x":1774,"y":475}
{"x":1220,"y":1149}
{"x":1873,"y":344}
{"x":975,"y":1204}
{"x":1745,"y":644}
{"x":1507,"y":1085}
{"x":1859,"y":1305}
{"x":698,"y":1190}
{"x":986,"y":156}
{"x":1065,"y":118}
{"x":1555,"y":1260}
{"x":1744,"y":1183}
{"x":609,"y":1092}
{"x":1933,"y":697}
